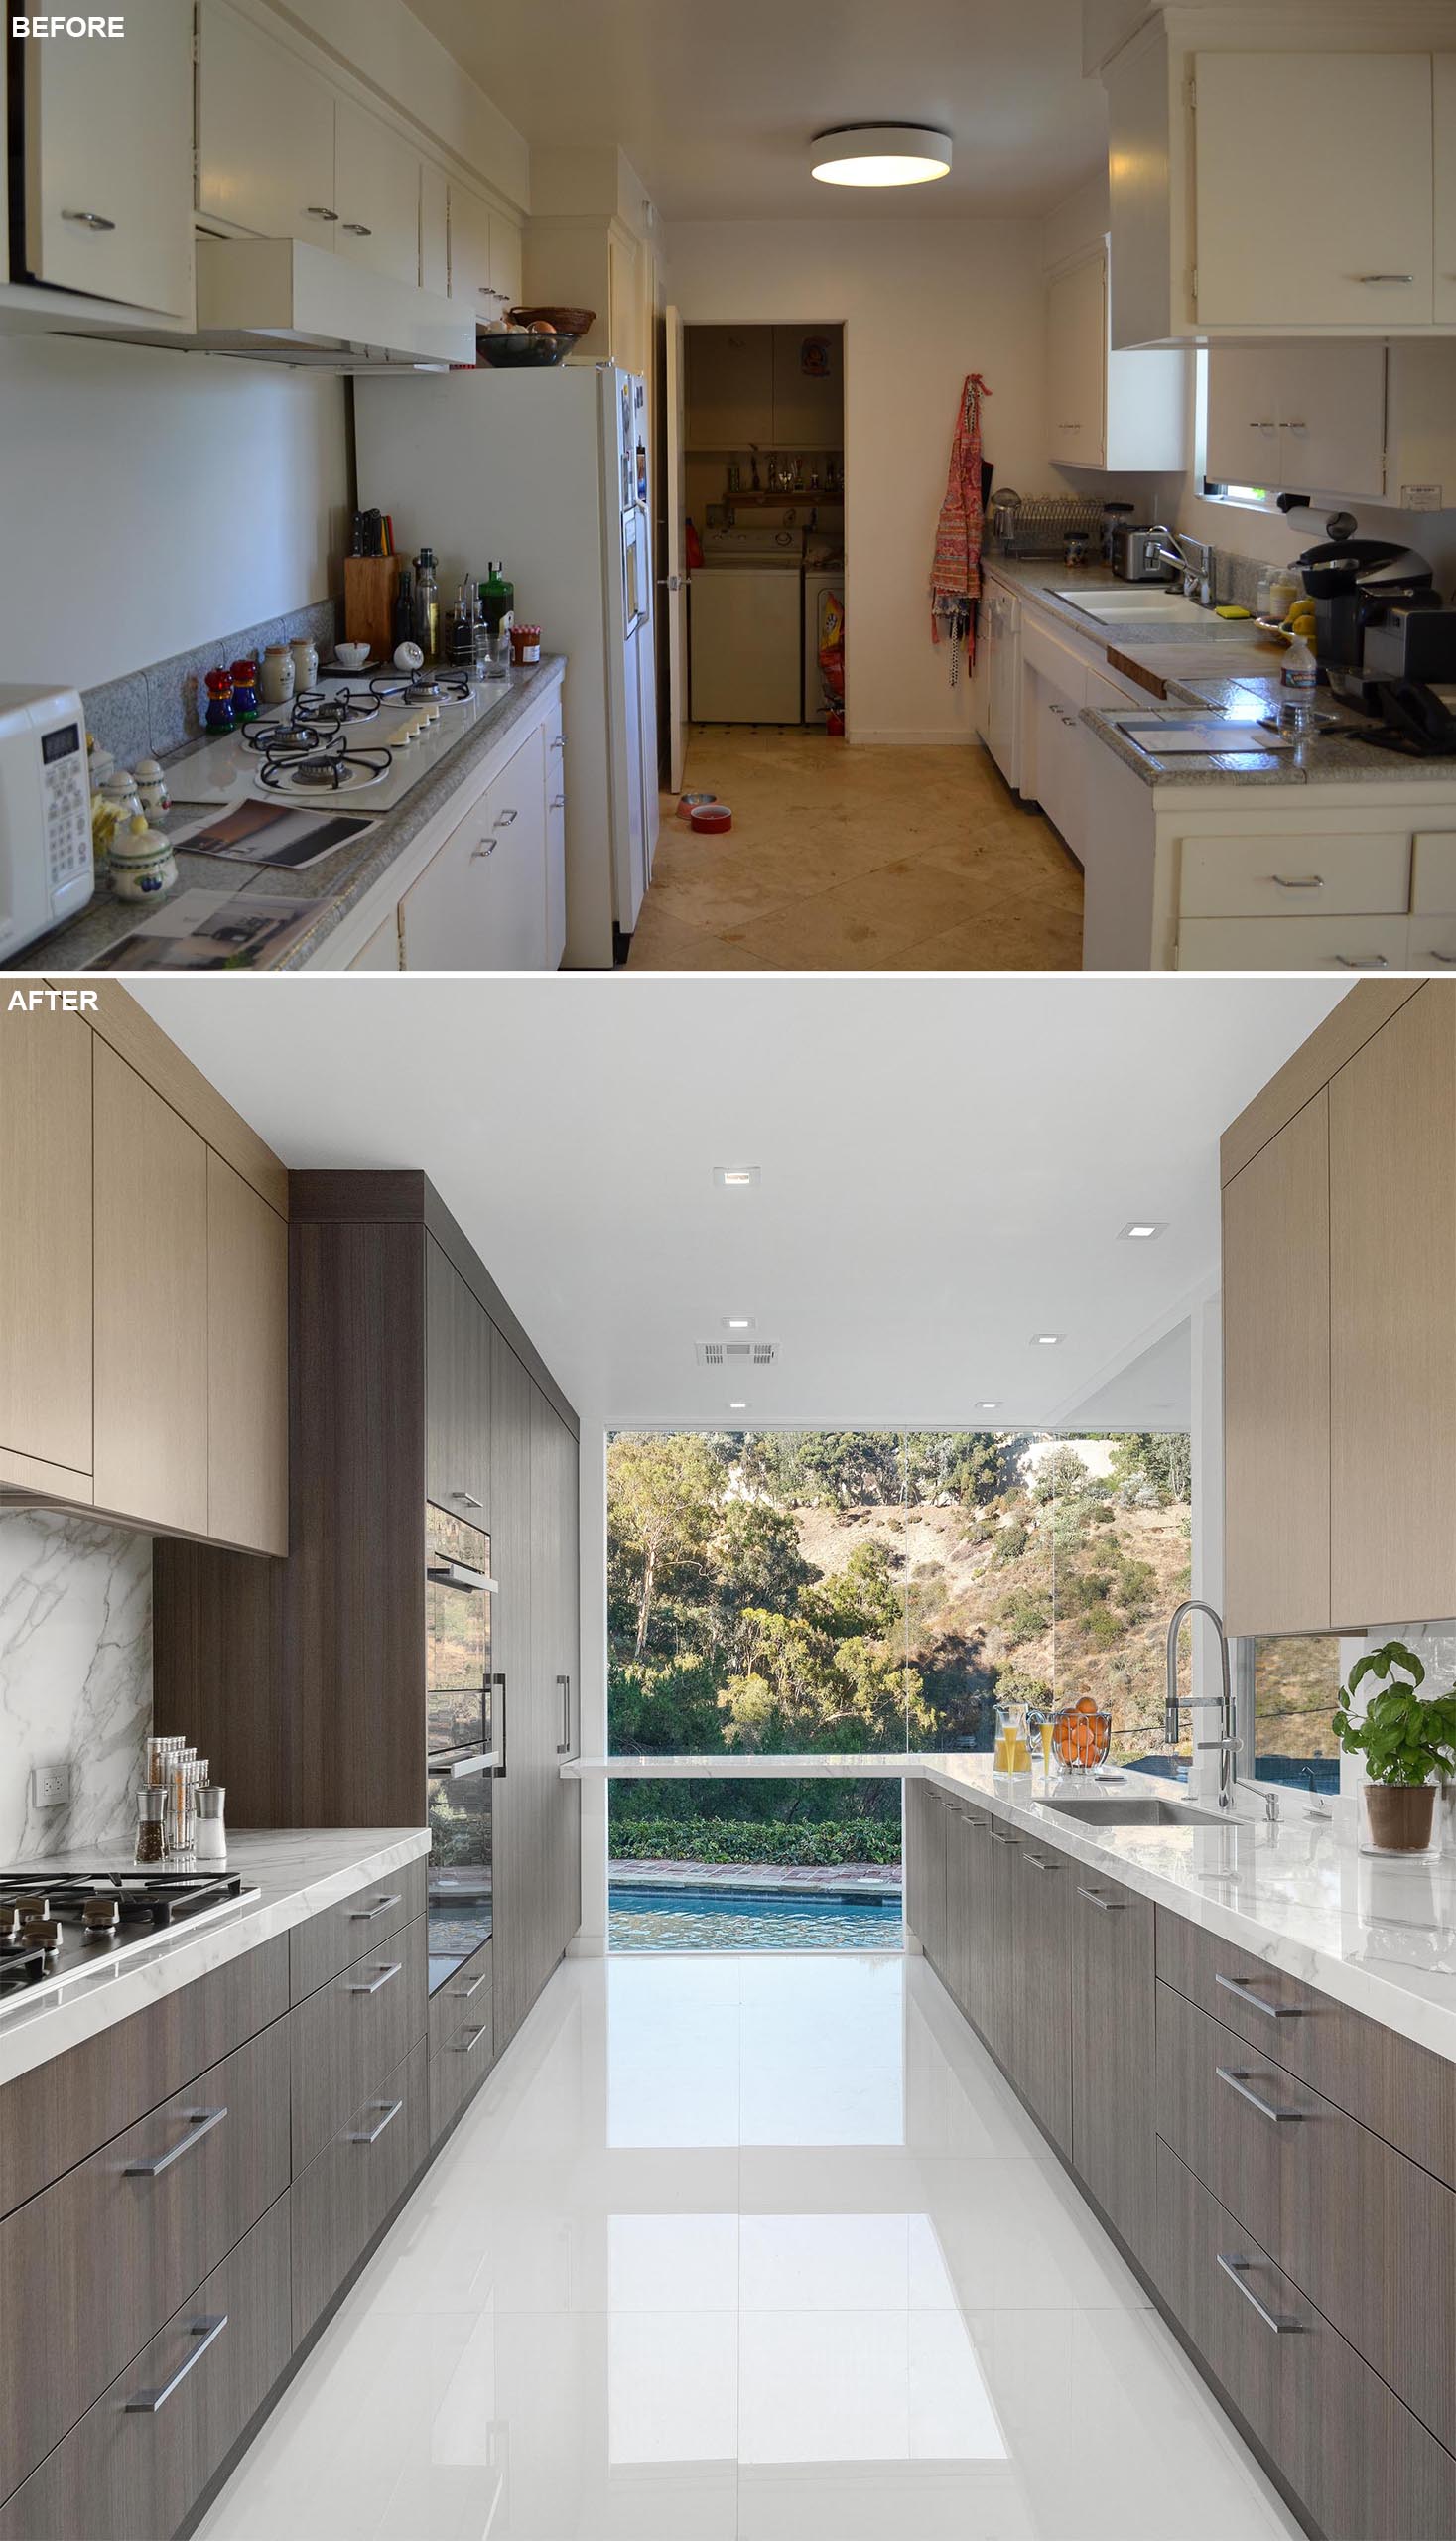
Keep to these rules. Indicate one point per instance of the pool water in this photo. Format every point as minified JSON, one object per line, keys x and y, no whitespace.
{"x":743,"y":1919}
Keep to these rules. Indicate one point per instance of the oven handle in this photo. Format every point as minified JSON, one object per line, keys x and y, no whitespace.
{"x":486,"y":1760}
{"x":458,"y":1574}
{"x":499,"y":1768}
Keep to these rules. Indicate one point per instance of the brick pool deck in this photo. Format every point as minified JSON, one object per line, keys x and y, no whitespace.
{"x":770,"y":1879}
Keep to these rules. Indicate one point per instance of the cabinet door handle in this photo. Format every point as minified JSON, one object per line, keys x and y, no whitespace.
{"x":998,"y":1838}
{"x":1295,"y":426}
{"x":505,"y":820}
{"x":468,"y":1498}
{"x":1038,"y":1861}
{"x":1104,"y":1905}
{"x":1236,"y":2269}
{"x":1385,"y":277}
{"x":468,"y":2045}
{"x":1362,"y":961}
{"x":488,"y":847}
{"x":1239,"y":2082}
{"x":200,"y":2121}
{"x":500,"y":1736}
{"x":558,"y":802}
{"x":560,"y":742}
{"x":465,"y":1993}
{"x":357,"y":230}
{"x":381,"y":1980}
{"x":564,"y":1743}
{"x":210,"y":2326}
{"x":1298,"y":881}
{"x":88,"y":220}
{"x":320,"y":211}
{"x":371,"y":2134}
{"x":1243,"y":1985}
{"x":1446,"y":959}
{"x":366,"y":1913}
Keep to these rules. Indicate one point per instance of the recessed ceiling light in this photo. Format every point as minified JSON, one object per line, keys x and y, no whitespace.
{"x":988,"y":1407}
{"x":880,"y":154}
{"x":1141,"y":1230}
{"x":735,"y":1177}
{"x":738,"y":1406}
{"x":739,"y":1323}
{"x":1048,"y":1340}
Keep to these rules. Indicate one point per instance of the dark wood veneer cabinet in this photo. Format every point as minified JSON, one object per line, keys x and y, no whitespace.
{"x":357,"y":2027}
{"x":1041,"y":2017}
{"x":1114,"y":2050}
{"x":361,"y":1922}
{"x":462,"y":2039}
{"x":139,"y":2460}
{"x":457,"y":1391}
{"x":349,"y":2192}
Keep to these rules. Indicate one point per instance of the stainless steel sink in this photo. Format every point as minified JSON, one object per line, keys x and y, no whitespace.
{"x":1136,"y":1812}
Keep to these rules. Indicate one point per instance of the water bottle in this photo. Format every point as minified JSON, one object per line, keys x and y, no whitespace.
{"x":1298,"y":681}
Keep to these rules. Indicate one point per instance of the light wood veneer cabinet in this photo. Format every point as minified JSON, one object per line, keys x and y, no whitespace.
{"x":46,"y":1252}
{"x":150,"y":1304}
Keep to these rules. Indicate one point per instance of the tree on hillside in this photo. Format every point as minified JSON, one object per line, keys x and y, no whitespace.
{"x":1159,"y":1462}
{"x":664,"y":1494}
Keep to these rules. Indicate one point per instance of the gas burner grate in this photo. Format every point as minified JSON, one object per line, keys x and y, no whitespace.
{"x":330,"y":769}
{"x":426,"y":689}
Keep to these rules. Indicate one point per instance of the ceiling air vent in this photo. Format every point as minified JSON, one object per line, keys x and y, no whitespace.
{"x":736,"y":1354}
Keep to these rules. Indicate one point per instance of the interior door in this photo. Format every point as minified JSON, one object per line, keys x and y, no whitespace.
{"x":673,"y":619}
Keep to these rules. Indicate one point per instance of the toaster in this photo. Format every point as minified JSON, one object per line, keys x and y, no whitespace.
{"x":1136,"y":557}
{"x":46,"y":869}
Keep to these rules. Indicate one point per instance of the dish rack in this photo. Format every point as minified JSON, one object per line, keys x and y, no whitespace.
{"x":1043,"y":522}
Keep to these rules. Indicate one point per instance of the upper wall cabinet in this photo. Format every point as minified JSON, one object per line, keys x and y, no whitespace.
{"x":45,"y":1253}
{"x":376,"y":193}
{"x":150,"y":1187}
{"x":484,"y":253}
{"x":107,"y":163}
{"x":265,"y":132}
{"x":1108,"y":410}
{"x":1195,"y":250}
{"x":1311,"y":415}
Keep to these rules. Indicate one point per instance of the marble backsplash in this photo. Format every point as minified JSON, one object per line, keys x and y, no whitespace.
{"x":76,"y":1676}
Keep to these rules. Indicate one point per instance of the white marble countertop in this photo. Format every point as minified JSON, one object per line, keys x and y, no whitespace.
{"x":296,"y":1874}
{"x":1375,"y":1931}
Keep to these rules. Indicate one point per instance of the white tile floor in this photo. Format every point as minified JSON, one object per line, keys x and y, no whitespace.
{"x":731,"y":2249}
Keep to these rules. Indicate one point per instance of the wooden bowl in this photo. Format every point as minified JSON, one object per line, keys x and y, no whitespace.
{"x":567,"y":322}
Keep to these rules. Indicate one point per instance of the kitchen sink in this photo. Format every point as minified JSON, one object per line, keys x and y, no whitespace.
{"x":1136,"y":1812}
{"x":1141,"y":607}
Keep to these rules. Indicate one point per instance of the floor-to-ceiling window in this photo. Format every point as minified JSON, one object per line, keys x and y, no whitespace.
{"x":786,"y":1593}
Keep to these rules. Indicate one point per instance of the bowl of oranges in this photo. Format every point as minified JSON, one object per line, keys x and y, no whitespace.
{"x":1081,"y":1735}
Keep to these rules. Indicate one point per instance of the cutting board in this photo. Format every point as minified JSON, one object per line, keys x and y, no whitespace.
{"x":1229,"y":657}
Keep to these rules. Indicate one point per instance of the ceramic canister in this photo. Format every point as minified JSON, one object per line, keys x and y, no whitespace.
{"x":142,"y":863}
{"x":275,"y":686}
{"x":305,"y":656}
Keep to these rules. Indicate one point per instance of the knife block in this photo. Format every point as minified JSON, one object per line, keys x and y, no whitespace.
{"x":368,"y":602}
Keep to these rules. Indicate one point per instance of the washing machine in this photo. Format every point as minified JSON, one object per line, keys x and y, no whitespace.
{"x":824,"y":580}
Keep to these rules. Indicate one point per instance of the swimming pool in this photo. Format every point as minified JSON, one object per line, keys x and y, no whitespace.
{"x":742,"y":1919}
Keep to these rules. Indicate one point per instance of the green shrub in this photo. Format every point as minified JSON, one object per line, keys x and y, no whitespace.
{"x":1011,"y":1541}
{"x":1022,"y":1615}
{"x":725,"y":1839}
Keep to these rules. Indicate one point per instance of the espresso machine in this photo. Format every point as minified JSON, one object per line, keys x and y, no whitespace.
{"x":1356,"y":583}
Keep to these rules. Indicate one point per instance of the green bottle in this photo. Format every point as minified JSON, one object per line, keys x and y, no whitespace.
{"x":497,"y":600}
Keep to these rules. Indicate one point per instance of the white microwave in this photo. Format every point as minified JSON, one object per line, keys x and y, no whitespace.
{"x":45,"y":870}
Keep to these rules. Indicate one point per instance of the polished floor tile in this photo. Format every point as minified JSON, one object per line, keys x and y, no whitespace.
{"x":738,"y":2249}
{"x":856,"y":858}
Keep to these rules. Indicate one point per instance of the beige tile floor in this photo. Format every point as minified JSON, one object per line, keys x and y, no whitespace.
{"x":857,"y":859}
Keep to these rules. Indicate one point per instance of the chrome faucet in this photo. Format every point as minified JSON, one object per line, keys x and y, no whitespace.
{"x":1225,"y":1745}
{"x":1197,"y":577}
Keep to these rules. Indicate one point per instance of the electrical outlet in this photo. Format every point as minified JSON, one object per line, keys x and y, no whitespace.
{"x":49,"y":1786}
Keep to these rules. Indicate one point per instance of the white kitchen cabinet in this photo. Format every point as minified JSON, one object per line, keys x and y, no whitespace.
{"x":1443,"y":124}
{"x":469,"y":251}
{"x":381,"y":953}
{"x":376,"y":187}
{"x":108,"y":162}
{"x":504,"y":266}
{"x":1309,"y":416}
{"x":1350,"y":944}
{"x":434,"y":229}
{"x":265,"y":132}
{"x":481,"y":903}
{"x":556,"y":928}
{"x":1107,"y":410}
{"x":1362,"y":255}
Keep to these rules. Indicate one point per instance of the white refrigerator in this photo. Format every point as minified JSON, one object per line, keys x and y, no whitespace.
{"x":547,"y":470}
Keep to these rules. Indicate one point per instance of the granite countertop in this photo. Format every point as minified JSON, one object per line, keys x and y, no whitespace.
{"x":336,"y":883}
{"x":1377,"y":1932}
{"x":1182,"y":663}
{"x":296,"y":1874}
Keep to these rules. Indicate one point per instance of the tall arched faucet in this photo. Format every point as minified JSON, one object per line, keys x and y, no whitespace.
{"x":1226,"y":1743}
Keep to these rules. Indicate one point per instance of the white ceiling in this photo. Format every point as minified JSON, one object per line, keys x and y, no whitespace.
{"x":945,"y":1166}
{"x":714,"y":100}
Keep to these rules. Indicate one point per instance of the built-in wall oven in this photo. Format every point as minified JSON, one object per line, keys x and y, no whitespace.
{"x":461,"y":1753}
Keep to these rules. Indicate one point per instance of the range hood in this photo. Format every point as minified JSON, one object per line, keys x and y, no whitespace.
{"x":277,"y":299}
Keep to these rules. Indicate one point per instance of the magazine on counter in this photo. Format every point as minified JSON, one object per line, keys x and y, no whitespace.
{"x":210,"y":931}
{"x":258,"y":832}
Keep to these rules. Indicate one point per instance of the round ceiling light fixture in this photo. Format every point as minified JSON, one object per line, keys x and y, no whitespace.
{"x":880,"y":154}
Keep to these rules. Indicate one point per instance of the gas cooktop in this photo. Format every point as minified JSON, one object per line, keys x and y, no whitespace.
{"x":67,"y":1925}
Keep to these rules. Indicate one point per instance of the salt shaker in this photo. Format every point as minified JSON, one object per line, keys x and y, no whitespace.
{"x":211,"y":1826}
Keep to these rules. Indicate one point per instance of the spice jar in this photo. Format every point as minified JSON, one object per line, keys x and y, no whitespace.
{"x":525,"y":645}
{"x":220,"y":717}
{"x":152,"y":1824}
{"x":245,"y":692}
{"x":304,"y":653}
{"x":276,"y":684}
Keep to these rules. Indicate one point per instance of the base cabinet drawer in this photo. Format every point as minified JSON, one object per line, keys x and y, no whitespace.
{"x":134,"y":2467}
{"x":360,"y":2024}
{"x":1366,"y":2235}
{"x":1367,"y":874}
{"x":461,"y":2024}
{"x":90,"y":2269}
{"x":1363,"y":2467}
{"x":344,"y":2198}
{"x":357,"y":1925}
{"x":1337,"y":944}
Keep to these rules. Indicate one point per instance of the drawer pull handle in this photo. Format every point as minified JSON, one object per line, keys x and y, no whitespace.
{"x":463,"y":1993}
{"x":366,"y":1913}
{"x":1298,"y":881}
{"x":506,"y":819}
{"x":1038,"y":1861}
{"x":201,"y":2122}
{"x":320,"y":211}
{"x":357,"y":230}
{"x":1362,"y":961}
{"x":998,"y":1838}
{"x":210,"y":2326}
{"x":468,"y":1498}
{"x":1104,"y":1905}
{"x":1385,"y":277}
{"x":488,"y":847}
{"x":88,"y":220}
{"x":381,"y":1980}
{"x":558,"y":803}
{"x":560,"y":742}
{"x":1236,"y":2269}
{"x":1446,"y":958}
{"x":1242,"y":1986}
{"x":1239,"y":2082}
{"x":371,"y":2134}
{"x":468,"y":2045}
